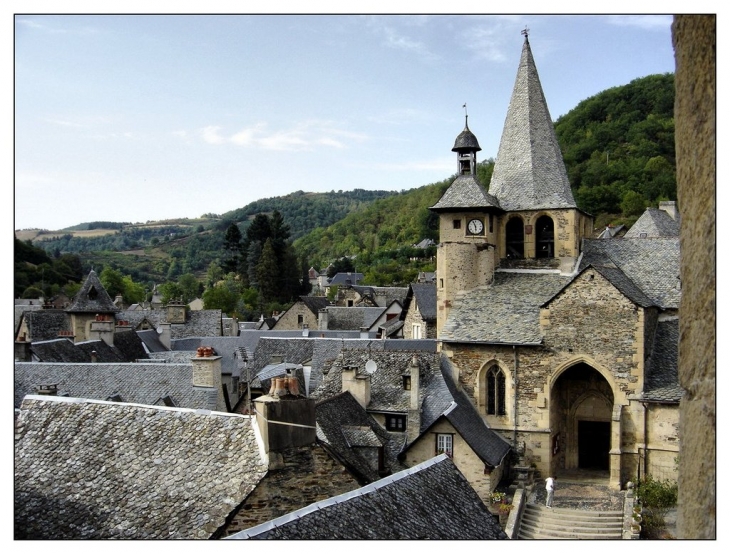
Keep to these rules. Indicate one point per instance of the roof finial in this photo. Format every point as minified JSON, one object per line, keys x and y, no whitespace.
{"x":525,"y":32}
{"x":466,"y":116}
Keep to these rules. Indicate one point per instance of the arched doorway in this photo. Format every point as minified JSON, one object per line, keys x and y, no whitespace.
{"x":581,"y":405}
{"x":515,"y":234}
{"x":545,"y":246}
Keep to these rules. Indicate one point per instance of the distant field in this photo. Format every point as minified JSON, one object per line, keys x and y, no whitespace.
{"x":35,"y":234}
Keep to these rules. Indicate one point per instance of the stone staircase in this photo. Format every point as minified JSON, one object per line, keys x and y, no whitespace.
{"x":540,"y":522}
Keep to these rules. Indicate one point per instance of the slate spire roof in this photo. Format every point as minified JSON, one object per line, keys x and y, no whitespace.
{"x":466,"y":141}
{"x":92,"y":297}
{"x":529,"y":173}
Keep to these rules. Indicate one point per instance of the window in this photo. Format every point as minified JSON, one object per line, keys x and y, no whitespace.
{"x":445,"y":444}
{"x":495,"y":392}
{"x":457,"y":224}
{"x":395,"y":422}
{"x":545,"y":238}
{"x":406,"y":382}
{"x":300,"y":319}
{"x":416,"y":331}
{"x":515,"y":238}
{"x":491,"y":223}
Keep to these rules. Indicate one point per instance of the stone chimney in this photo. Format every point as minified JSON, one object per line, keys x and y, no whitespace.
{"x":176,"y":311}
{"x":22,"y":350}
{"x":305,"y":329}
{"x":414,"y":408}
{"x":102,"y":328}
{"x":670,"y":207}
{"x":165,"y":335}
{"x":357,"y":385}
{"x":48,"y":389}
{"x":323,"y":319}
{"x":94,"y":357}
{"x":207,"y":373}
{"x":285,"y":418}
{"x":119,"y":301}
{"x":364,"y":333}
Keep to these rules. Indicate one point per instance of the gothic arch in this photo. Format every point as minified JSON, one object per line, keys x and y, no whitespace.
{"x":583,"y":359}
{"x":485,"y":381}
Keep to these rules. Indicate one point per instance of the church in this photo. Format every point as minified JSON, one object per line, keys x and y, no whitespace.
{"x":566,"y":345}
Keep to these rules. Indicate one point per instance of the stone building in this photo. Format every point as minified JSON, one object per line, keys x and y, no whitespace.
{"x":564,"y":344}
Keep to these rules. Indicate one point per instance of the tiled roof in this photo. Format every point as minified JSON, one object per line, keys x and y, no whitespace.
{"x":58,"y":350}
{"x":460,"y":412}
{"x":651,"y":264}
{"x":343,"y":424}
{"x":432,"y":500}
{"x":96,"y":470}
{"x":386,"y":383}
{"x":315,"y":303}
{"x":92,"y":297}
{"x":151,"y":340}
{"x":130,"y":345}
{"x":529,"y":173}
{"x":46,"y":324}
{"x":198,"y":323}
{"x":341,"y":279}
{"x":654,"y":223}
{"x":505,"y":312}
{"x":352,"y":318}
{"x":425,"y":295}
{"x":21,"y":308}
{"x":662,"y":382}
{"x":465,"y":193}
{"x":418,"y":345}
{"x":387,"y":294}
{"x":142,"y":383}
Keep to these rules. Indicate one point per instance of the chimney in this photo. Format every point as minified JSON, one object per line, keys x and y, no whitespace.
{"x":305,"y":329}
{"x":48,"y":389}
{"x":414,"y":409}
{"x":165,"y":335}
{"x":119,"y":301}
{"x":323,"y":319}
{"x":357,"y":385}
{"x":364,"y":333}
{"x":670,"y":207}
{"x":22,"y":350}
{"x":207,"y":373}
{"x":285,"y":418}
{"x":102,"y":328}
{"x":94,"y":357}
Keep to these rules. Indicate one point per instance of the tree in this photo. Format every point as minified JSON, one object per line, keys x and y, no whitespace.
{"x":343,"y":265}
{"x":189,"y":286}
{"x":232,"y":245}
{"x":134,"y":293}
{"x":113,"y":281}
{"x":633,"y":203}
{"x":267,"y":274}
{"x":220,"y":297}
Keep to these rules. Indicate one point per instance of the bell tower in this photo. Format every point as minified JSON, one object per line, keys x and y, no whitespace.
{"x":468,"y":230}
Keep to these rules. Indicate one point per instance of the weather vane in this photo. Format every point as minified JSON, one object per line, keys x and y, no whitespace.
{"x":525,"y":32}
{"x":464,"y":106}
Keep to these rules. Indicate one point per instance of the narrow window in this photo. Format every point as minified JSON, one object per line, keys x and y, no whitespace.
{"x":496,"y":392}
{"x":457,"y":224}
{"x":300,"y":319}
{"x":515,"y":238}
{"x":491,"y":223}
{"x":416,"y":331}
{"x":545,"y":238}
{"x":445,"y":444}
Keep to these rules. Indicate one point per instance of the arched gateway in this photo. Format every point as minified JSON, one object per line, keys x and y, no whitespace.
{"x":581,"y":408}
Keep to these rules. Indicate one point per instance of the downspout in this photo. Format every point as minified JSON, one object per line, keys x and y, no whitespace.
{"x":516,"y":382}
{"x":646,"y":444}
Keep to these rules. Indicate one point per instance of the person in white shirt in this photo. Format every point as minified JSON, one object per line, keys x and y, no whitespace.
{"x":550,"y":488}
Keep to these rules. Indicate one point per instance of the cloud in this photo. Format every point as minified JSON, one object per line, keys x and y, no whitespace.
{"x":393,"y":37}
{"x":36,"y":24}
{"x":303,"y":136}
{"x":647,"y":22}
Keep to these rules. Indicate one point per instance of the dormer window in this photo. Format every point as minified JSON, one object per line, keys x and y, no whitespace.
{"x":406,"y":382}
{"x":93,"y":293}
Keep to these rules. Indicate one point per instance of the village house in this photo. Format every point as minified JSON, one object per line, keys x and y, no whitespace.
{"x":562,"y":342}
{"x":419,"y":312}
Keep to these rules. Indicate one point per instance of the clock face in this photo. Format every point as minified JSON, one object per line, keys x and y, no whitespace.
{"x":475,"y":227}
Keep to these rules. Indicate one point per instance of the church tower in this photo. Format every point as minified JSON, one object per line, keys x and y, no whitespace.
{"x":467,"y":230}
{"x":543,"y":226}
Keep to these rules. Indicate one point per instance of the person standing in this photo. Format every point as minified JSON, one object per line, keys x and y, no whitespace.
{"x":550,"y":488}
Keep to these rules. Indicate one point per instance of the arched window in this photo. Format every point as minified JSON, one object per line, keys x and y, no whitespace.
{"x":496,"y":392}
{"x":545,"y":247}
{"x":515,"y":238}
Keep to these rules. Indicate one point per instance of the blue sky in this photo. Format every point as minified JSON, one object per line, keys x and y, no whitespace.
{"x":137,"y":118}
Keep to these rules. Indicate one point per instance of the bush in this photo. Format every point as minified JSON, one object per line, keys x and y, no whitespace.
{"x":656,"y":497}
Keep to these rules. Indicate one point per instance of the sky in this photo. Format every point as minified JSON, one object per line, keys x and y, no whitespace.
{"x":132,"y":118}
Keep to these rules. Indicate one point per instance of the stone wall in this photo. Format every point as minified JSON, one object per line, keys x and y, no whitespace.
{"x":662,"y":442}
{"x":694,"y":112}
{"x":464,"y":458}
{"x":290,"y":320}
{"x":413,"y":316}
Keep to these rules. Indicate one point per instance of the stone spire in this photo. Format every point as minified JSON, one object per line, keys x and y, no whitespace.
{"x":529,"y":173}
{"x":92,"y":297}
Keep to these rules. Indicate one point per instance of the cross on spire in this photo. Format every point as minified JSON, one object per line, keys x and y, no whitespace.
{"x":526,"y":33}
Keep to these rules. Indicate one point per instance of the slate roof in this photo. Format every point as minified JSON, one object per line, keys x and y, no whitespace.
{"x":444,"y":399}
{"x":127,"y":348}
{"x":529,"y":173}
{"x":21,"y":308}
{"x":350,"y":319}
{"x":654,"y":223}
{"x":343,"y":424}
{"x":59,"y":350}
{"x":386,"y":384}
{"x":465,"y":193}
{"x":141,"y":383}
{"x":425,"y":295}
{"x":130,"y":345}
{"x":198,"y":323}
{"x":86,"y":469}
{"x":315,"y":303}
{"x":466,"y":141}
{"x":505,"y":312}
{"x":46,"y":324}
{"x":341,"y":279}
{"x":662,"y":382}
{"x":432,"y":500}
{"x":651,"y":264}
{"x":389,"y":294}
{"x":92,"y":297}
{"x":151,"y":340}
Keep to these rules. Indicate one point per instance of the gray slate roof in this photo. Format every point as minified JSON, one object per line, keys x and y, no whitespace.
{"x":465,"y":193}
{"x":432,"y":500}
{"x":342,"y":279}
{"x":651,"y":264}
{"x":350,"y":319}
{"x":96,"y":470}
{"x":444,"y":399}
{"x":529,"y":173}
{"x":505,"y":312}
{"x":46,"y":324}
{"x":425,"y":295}
{"x":92,"y":297}
{"x":198,"y":323}
{"x":653,"y":223}
{"x":662,"y":382}
{"x":389,"y":294}
{"x":141,"y":383}
{"x":343,"y":426}
{"x":315,"y":303}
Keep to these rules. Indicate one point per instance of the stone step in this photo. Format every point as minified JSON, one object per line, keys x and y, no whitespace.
{"x":580,"y":527}
{"x":566,"y":513}
{"x":541,"y":522}
{"x":537,"y":534}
